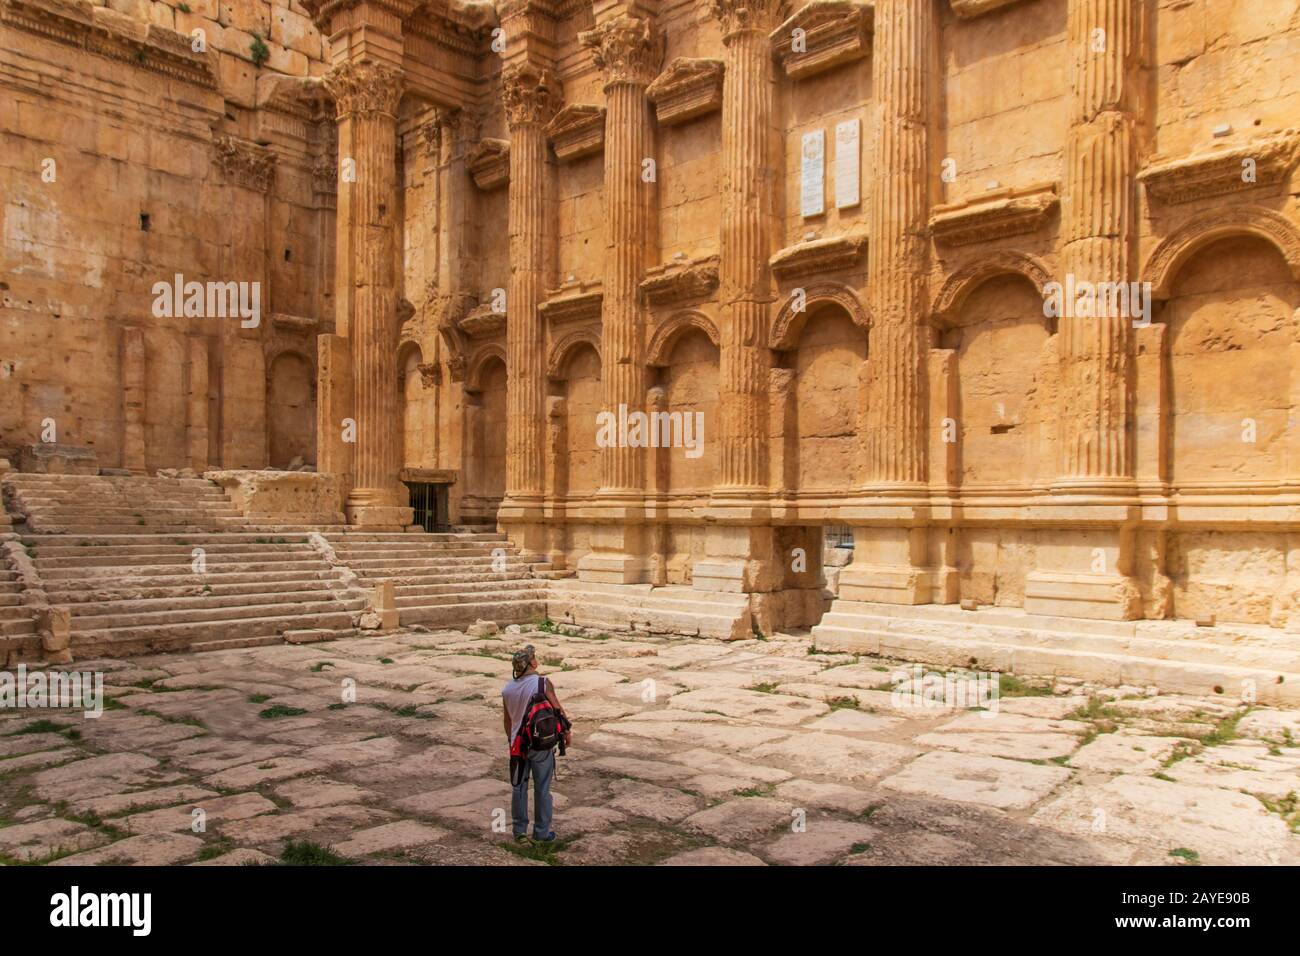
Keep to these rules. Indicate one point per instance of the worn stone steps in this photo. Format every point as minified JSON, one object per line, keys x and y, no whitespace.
{"x":64,"y":590}
{"x":267,"y":606}
{"x":673,"y":609}
{"x":126,"y":641}
{"x":463,"y":614}
{"x":132,"y":571}
{"x":202,"y":601}
{"x":524,"y":592}
{"x":1097,"y":651}
{"x":95,"y":562}
{"x":193,"y":586}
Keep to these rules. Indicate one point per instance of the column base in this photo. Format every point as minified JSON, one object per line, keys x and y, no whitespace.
{"x":898,"y":584}
{"x":738,"y":559}
{"x":619,"y":549}
{"x":379,"y":517}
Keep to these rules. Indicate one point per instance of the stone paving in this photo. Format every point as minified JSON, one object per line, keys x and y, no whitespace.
{"x":388,"y":749}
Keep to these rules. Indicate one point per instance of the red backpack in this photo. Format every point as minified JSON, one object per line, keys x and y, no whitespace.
{"x":542,"y":726}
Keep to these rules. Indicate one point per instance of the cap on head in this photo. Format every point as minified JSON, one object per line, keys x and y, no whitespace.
{"x":522,"y":659}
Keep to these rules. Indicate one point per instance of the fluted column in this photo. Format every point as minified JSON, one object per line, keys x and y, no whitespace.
{"x":751,"y":162}
{"x":1097,"y":225}
{"x":628,"y":51}
{"x":531,"y":99}
{"x":366,"y":95}
{"x":903,"y":80}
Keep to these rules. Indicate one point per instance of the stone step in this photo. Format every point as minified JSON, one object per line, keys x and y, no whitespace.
{"x":472,"y":597}
{"x":100,"y":561}
{"x":124,"y":641}
{"x":236,"y":643}
{"x":148,"y":549}
{"x":460,"y":577}
{"x":202,"y":601}
{"x":462,"y":615}
{"x":92,"y":574}
{"x":635,"y":607}
{"x":345,"y":537}
{"x":503,"y":583}
{"x":19,"y":625}
{"x":194,"y":587}
{"x":269,"y":606}
{"x":203,"y":538}
{"x":213,"y":579}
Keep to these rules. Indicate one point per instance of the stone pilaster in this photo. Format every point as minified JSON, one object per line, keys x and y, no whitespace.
{"x":740,"y":546}
{"x":1097,"y":225}
{"x":628,"y":51}
{"x":532,"y":97}
{"x":197,"y":418}
{"x":366,"y":95}
{"x":133,"y":400}
{"x":903,"y":80}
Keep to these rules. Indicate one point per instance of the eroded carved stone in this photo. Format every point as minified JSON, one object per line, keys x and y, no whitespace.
{"x":689,"y":87}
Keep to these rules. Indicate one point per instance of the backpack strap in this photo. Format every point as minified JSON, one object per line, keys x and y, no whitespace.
{"x":541,"y":686}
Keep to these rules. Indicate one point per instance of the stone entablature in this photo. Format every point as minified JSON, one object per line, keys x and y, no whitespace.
{"x":578,"y":130}
{"x":576,"y":301}
{"x":994,"y":215}
{"x":482,"y":322}
{"x":1222,"y":171}
{"x":970,"y":9}
{"x":829,"y":33}
{"x":681,"y":280}
{"x":690,"y":87}
{"x":243,"y":163}
{"x":820,"y":256}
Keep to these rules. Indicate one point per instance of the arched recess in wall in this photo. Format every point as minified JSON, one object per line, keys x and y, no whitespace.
{"x":1232,"y":373}
{"x":485,"y":435}
{"x":574,"y":371}
{"x":824,"y":352}
{"x":683,"y":355}
{"x":290,"y":410}
{"x":1004,"y":402}
{"x":1232,"y":352}
{"x":800,"y":305}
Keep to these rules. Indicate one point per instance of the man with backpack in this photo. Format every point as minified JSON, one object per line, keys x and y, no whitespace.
{"x":535,"y":726}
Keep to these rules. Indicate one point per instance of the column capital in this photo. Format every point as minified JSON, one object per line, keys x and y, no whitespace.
{"x":737,"y":15}
{"x":626,"y":49}
{"x":531,"y":94}
{"x":364,"y":88}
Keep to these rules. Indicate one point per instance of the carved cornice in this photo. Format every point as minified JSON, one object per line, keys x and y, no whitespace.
{"x":531,"y":95}
{"x":243,"y":163}
{"x":430,"y":132}
{"x":970,"y":9}
{"x":625,"y":49}
{"x":362,"y":89}
{"x":148,"y":46}
{"x":819,"y":256}
{"x":680,"y":281}
{"x":572,"y":302}
{"x":324,"y":177}
{"x":736,"y":15}
{"x":298,"y":324}
{"x":834,"y":32}
{"x":688,"y":88}
{"x":994,"y":215}
{"x":489,"y":163}
{"x":430,"y":374}
{"x":578,"y":130}
{"x":1221,"y":171}
{"x":481,"y":322}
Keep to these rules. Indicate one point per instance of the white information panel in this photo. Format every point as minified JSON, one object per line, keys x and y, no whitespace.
{"x":812,"y":191}
{"x":847,"y":164}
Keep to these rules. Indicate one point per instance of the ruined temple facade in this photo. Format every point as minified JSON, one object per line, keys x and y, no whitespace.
{"x":847,"y":238}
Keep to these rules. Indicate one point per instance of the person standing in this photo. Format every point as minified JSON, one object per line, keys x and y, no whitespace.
{"x":528,"y":693}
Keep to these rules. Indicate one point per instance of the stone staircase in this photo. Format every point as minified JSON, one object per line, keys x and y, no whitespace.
{"x":446,"y":580}
{"x":18,"y":633}
{"x":1175,"y":656}
{"x":671,"y":609}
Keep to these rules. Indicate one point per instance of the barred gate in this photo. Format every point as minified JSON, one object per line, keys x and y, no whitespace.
{"x":430,"y":504}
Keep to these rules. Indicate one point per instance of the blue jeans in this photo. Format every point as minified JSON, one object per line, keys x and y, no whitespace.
{"x":541,"y":767}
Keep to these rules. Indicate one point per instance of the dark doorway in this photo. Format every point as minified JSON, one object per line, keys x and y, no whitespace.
{"x":430,"y":504}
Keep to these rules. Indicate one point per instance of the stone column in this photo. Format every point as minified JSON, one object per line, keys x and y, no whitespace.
{"x":1097,"y":228}
{"x":133,"y":400}
{"x":531,"y":100}
{"x":628,"y":51}
{"x":740,"y":546}
{"x":1088,"y":571}
{"x":903,"y":80}
{"x":366,"y":95}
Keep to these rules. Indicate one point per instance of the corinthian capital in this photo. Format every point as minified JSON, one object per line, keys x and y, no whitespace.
{"x":364,"y":89}
{"x":626,"y":49}
{"x":761,"y":15}
{"x":531,"y":95}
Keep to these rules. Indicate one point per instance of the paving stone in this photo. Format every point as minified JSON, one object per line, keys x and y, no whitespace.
{"x":443,"y":761}
{"x":968,"y":778}
{"x":1020,"y":746}
{"x":1051,"y":708}
{"x":823,"y":841}
{"x":321,"y":792}
{"x":12,"y":746}
{"x":577,"y":820}
{"x":1242,"y":765}
{"x":662,"y":804}
{"x":713,"y":856}
{"x":238,"y":806}
{"x":399,"y":835}
{"x":94,"y":776}
{"x":768,"y":709}
{"x":252,"y":774}
{"x":241,"y":857}
{"x":1125,"y":752}
{"x":36,"y":841}
{"x":833,"y":796}
{"x":832,"y":755}
{"x":729,"y":766}
{"x":118,"y":803}
{"x":741,"y":819}
{"x":273,"y":828}
{"x":1222,"y":827}
{"x":1272,"y":725}
{"x":846,"y":720}
{"x":149,"y":849}
{"x":39,"y":760}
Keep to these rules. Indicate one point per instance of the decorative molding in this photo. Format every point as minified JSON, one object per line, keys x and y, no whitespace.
{"x":835,"y":32}
{"x":1162,"y":267}
{"x":430,"y":374}
{"x":994,"y":215}
{"x":737,"y":15}
{"x":1220,"y":171}
{"x":473,"y":373}
{"x":665,"y":336}
{"x":489,"y":163}
{"x":572,"y":302}
{"x":560,"y":351}
{"x":325,"y":177}
{"x":364,"y":88}
{"x":147,"y":45}
{"x":794,"y":312}
{"x":243,"y":163}
{"x":481,"y":322}
{"x":294,"y":323}
{"x":578,"y":130}
{"x":531,"y":95}
{"x":688,"y":88}
{"x":817,"y":256}
{"x":625,"y":49}
{"x":970,"y":9}
{"x":680,"y":281}
{"x":968,"y":278}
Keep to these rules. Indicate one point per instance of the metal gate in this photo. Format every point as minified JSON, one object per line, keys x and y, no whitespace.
{"x":430,"y":504}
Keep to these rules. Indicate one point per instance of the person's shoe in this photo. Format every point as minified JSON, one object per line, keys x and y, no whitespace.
{"x":523,"y":838}
{"x":549,"y":838}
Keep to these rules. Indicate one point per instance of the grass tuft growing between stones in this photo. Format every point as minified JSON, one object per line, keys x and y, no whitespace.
{"x":39,"y":727}
{"x":1182,"y":853}
{"x":280,"y":710}
{"x":308,"y":853}
{"x":546,"y":852}
{"x":1009,"y":685}
{"x":842,"y":703}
